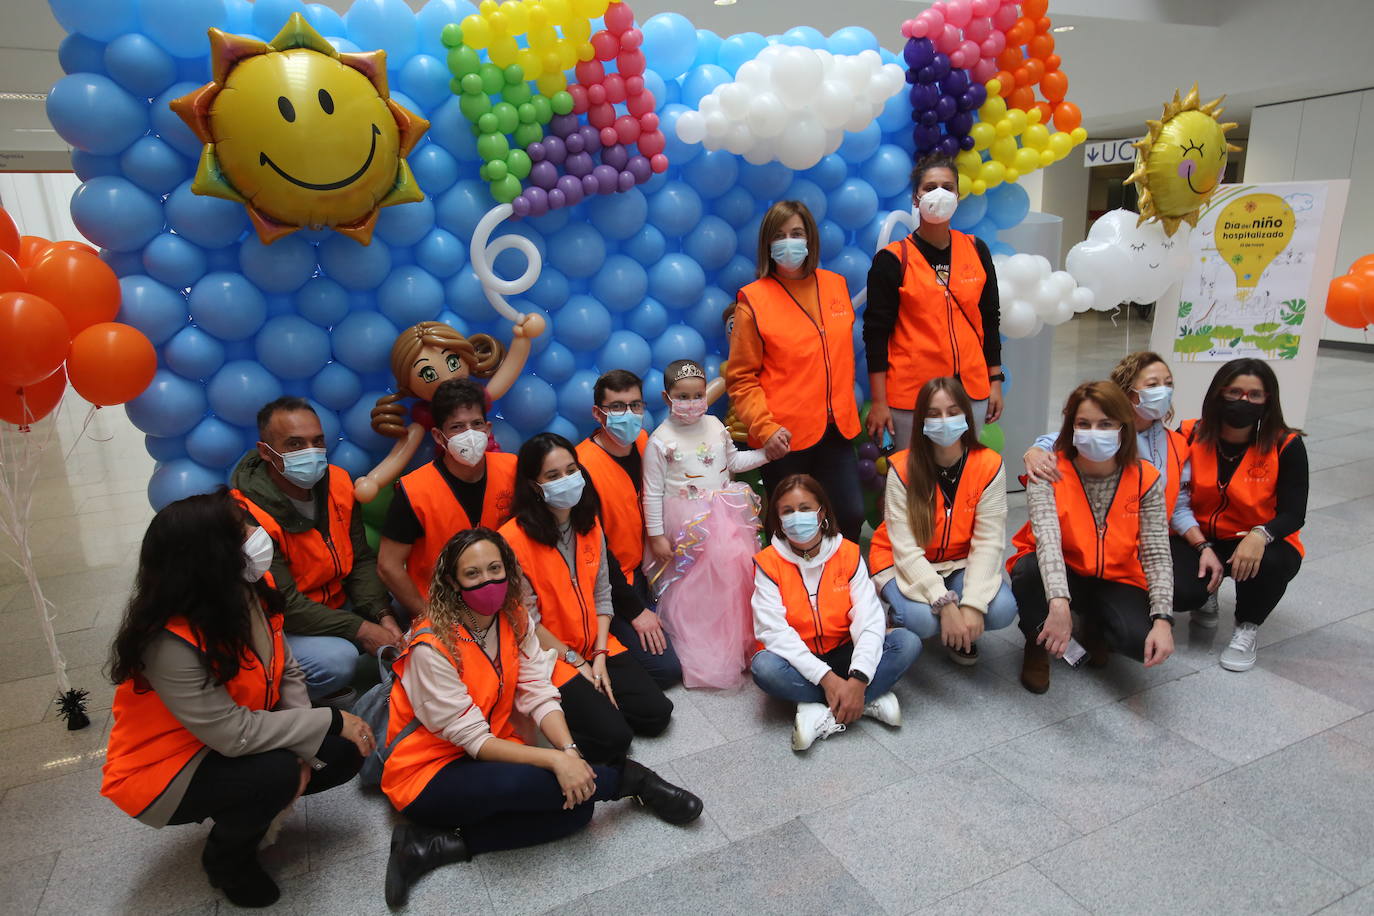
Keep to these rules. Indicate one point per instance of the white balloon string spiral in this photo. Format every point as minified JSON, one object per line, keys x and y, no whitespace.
{"x":890,"y":222}
{"x":484,"y":256}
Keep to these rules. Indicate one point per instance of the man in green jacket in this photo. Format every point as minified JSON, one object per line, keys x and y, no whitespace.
{"x":321,"y":562}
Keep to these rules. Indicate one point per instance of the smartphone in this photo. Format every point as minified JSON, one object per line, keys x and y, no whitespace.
{"x":1074,"y":654}
{"x":887,"y":446}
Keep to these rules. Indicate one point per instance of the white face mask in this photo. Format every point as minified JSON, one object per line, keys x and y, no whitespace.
{"x":467,"y":447}
{"x":1097,"y":444}
{"x":257,"y":554}
{"x":1154,"y":402}
{"x":944,"y":430}
{"x":937,"y":205}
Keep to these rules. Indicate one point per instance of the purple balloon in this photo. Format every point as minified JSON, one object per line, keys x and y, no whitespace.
{"x":606,"y":178}
{"x":590,"y":185}
{"x":555,"y":150}
{"x":579,"y":164}
{"x":591,"y":138}
{"x":563,"y":125}
{"x":544,"y":175}
{"x":926,"y":75}
{"x":919,"y":52}
{"x":521,"y":206}
{"x":973,"y":97}
{"x":946,"y":108}
{"x":539,"y":201}
{"x":557,"y":199}
{"x":624,"y":181}
{"x":535,"y":151}
{"x":571,"y":188}
{"x":868,"y":450}
{"x":949,"y":146}
{"x":867,"y":469}
{"x":924,"y":96}
{"x":940,"y":64}
{"x":638,"y":166}
{"x":911,"y":76}
{"x":955,"y":83}
{"x":615,"y":156}
{"x":966,"y":142}
{"x":928,"y":118}
{"x":575,"y":143}
{"x":926,"y":138}
{"x":960,"y":124}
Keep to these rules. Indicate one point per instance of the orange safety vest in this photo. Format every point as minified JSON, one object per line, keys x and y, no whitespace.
{"x":1249,"y":498}
{"x":824,"y":625}
{"x":149,"y":746}
{"x":567,"y":608}
{"x":442,"y":516}
{"x":318,"y":562}
{"x":939,"y":330}
{"x":621,"y":515}
{"x":806,"y":364}
{"x":418,"y":756}
{"x":1110,"y":552}
{"x":953,"y":524}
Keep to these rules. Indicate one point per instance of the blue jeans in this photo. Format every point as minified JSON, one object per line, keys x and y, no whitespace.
{"x":665,"y":669}
{"x":836,"y":468}
{"x":777,"y":678}
{"x":328,"y":662}
{"x":917,"y":618}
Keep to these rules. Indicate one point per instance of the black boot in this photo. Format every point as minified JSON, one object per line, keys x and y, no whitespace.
{"x":416,"y":850}
{"x":238,"y":874}
{"x":667,"y":801}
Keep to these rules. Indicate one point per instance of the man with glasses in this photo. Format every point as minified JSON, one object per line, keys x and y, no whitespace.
{"x":464,"y":487}
{"x":613,"y":457}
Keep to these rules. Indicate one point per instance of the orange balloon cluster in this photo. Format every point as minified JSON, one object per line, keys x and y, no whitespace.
{"x":58,"y":302}
{"x":1029,"y":60}
{"x":1350,"y":298}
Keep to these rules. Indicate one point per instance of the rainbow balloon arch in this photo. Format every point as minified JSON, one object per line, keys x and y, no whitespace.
{"x":605,"y":175}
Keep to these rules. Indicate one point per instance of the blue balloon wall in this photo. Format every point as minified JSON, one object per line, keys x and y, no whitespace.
{"x":632,"y":280}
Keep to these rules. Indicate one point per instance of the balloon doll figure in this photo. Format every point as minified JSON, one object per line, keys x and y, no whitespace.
{"x":422,"y":358}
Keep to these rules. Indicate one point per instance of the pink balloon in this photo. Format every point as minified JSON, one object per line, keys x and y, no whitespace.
{"x":651,"y":144}
{"x":605,"y":45}
{"x":600,"y":116}
{"x":984,"y":7}
{"x":640,"y":103}
{"x":626,"y":129}
{"x":978,"y":29}
{"x":659,"y":163}
{"x":589,"y":72}
{"x":984,"y":70}
{"x":908,"y":28}
{"x":634,"y":85}
{"x":935,"y":19}
{"x":609,"y":137}
{"x":1006,"y":17}
{"x":958,"y":12}
{"x":920,"y":28}
{"x":579,"y":96}
{"x":994,"y":44}
{"x":632,"y":39}
{"x":615,"y":88}
{"x":649,"y":123}
{"x":970,"y":51}
{"x":630,"y":63}
{"x":949,"y":40}
{"x":596,"y":94}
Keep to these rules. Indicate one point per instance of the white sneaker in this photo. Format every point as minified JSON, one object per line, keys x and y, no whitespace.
{"x":813,"y":722}
{"x":1240,"y":654}
{"x":885,"y":709}
{"x":1206,"y":616}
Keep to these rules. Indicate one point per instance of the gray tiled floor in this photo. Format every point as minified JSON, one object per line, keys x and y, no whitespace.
{"x":1180,"y":789}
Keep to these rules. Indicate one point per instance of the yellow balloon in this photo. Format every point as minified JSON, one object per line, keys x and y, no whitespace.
{"x":1027,"y":160}
{"x":1078,"y":135}
{"x":1004,"y":150}
{"x":1046,"y":158}
{"x":542,"y":39}
{"x":1003,"y":128}
{"x":1036,"y":137}
{"x":983,"y":134}
{"x":980,"y":186}
{"x":552,"y":82}
{"x":567,"y":55}
{"x":1251,"y":231}
{"x":531,"y":63}
{"x":589,"y":9}
{"x":994,"y":87}
{"x":993,"y":110}
{"x":551,"y":61}
{"x":496,"y":21}
{"x":560,"y":12}
{"x":968,"y":161}
{"x":965,"y":185}
{"x":881,"y":464}
{"x":1011,"y":176}
{"x":1033,"y":116}
{"x":537,"y":16}
{"x":1017,"y":118}
{"x":487,"y":7}
{"x":517,"y":17}
{"x":585,"y":51}
{"x":476,"y":32}
{"x":1060,"y":144}
{"x":503,"y":51}
{"x":992,"y":174}
{"x":578,"y":30}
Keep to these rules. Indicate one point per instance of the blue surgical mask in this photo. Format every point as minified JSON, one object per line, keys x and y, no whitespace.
{"x":565,"y":492}
{"x":788,"y":253}
{"x":801,"y":527}
{"x":1097,"y":444}
{"x":1154,"y":402}
{"x":624,"y":427}
{"x":303,"y":467}
{"x":944,"y":430}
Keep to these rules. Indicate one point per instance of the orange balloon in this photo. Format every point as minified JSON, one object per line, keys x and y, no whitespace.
{"x":74,"y":246}
{"x":31,"y":247}
{"x":1035,"y":69}
{"x":1023,"y":98}
{"x":9,"y":235}
{"x":1363,"y":267}
{"x":111,"y":363}
{"x":1345,"y":301}
{"x":1052,"y":63}
{"x":1034,"y":8}
{"x":1042,"y":25}
{"x":1022,"y":32}
{"x":1067,"y":116}
{"x":1046,"y":112}
{"x":11,"y":274}
{"x":1010,"y":59}
{"x":22,"y":406}
{"x":34,"y":339}
{"x":1054,"y":85}
{"x":82,"y":286}
{"x":1022,"y":75}
{"x":1007,"y":81}
{"x":1041,"y":46}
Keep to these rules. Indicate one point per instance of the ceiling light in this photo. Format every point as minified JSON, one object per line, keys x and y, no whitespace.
{"x":1062,"y":28}
{"x":23,"y":96}
{"x":725,"y":2}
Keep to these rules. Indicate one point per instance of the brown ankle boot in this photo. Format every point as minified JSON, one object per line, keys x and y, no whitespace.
{"x":1035,"y":668}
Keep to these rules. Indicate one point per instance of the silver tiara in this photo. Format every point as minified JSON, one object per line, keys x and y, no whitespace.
{"x":688,"y":370}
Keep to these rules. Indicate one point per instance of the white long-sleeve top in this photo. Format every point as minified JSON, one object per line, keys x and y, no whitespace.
{"x":921,"y":580}
{"x":690,"y":460}
{"x":867,"y":622}
{"x":441,"y":700}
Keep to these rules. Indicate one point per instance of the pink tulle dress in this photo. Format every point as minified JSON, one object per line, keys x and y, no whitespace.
{"x":713,"y":524}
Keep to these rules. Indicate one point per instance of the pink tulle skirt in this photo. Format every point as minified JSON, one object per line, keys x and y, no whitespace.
{"x":703,"y":594}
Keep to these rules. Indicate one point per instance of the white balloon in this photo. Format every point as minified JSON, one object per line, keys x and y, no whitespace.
{"x":802,"y":143}
{"x":1101,"y":267}
{"x":797,"y":74}
{"x":1022,"y":272}
{"x":1081,"y":299}
{"x":1061,"y":313}
{"x":1005,"y":292}
{"x":870,"y":59}
{"x":1018,"y":319}
{"x":1063,"y":283}
{"x":1153,"y":260}
{"x":755,"y":75}
{"x":859,"y":117}
{"x":710,"y":103}
{"x":1044,"y":297}
{"x":734,"y":101}
{"x":766,"y":117}
{"x":833,"y":139}
{"x":716,"y":125}
{"x":739,"y":139}
{"x":759,"y":154}
{"x":832,"y":104}
{"x":691,"y":127}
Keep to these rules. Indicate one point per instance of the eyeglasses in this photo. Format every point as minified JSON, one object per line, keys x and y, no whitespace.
{"x":1254,"y":396}
{"x":616,"y":408}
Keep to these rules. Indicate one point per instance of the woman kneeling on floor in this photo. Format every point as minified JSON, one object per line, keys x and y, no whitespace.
{"x":818,"y":620}
{"x":463,"y":774}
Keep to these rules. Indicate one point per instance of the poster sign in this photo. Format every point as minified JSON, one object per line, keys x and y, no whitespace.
{"x":1109,"y":152}
{"x":1249,"y":277}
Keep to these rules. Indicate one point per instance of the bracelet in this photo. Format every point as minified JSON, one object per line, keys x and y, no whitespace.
{"x":595,"y":652}
{"x":572,"y":747}
{"x":1200,"y":546}
{"x":1263,"y":532}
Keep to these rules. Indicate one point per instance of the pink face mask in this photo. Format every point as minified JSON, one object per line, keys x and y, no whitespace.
{"x":689,"y":411}
{"x":486,"y":599}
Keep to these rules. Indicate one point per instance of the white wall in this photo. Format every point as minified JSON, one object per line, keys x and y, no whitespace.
{"x":1326,"y":137}
{"x":40,"y":203}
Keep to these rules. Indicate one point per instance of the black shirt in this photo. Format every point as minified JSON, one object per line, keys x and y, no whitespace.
{"x":402,"y":526}
{"x":884,"y":297}
{"x":633,"y":465}
{"x":1290,"y":489}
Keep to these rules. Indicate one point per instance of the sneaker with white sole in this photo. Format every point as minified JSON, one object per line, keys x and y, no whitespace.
{"x":1206,"y":616}
{"x":813,"y":722}
{"x":1240,"y":654}
{"x":885,"y":709}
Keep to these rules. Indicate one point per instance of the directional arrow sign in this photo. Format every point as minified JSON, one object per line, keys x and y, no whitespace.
{"x":1109,"y":152}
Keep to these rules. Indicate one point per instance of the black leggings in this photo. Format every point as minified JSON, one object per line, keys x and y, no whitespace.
{"x":505,"y":805}
{"x":603,"y":732}
{"x":1122,"y":610}
{"x":1256,"y":597}
{"x":836,"y":468}
{"x":243,"y":794}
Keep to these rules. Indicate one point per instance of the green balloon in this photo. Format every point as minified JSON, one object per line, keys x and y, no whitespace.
{"x":374,"y":513}
{"x":452,"y":35}
{"x":474,"y":106}
{"x":514,"y":74}
{"x":455,"y":86}
{"x":506,"y":117}
{"x":472,"y":84}
{"x":493,"y":146}
{"x":518,"y":94}
{"x":526,"y":134}
{"x":495,"y":170}
{"x":993,"y":437}
{"x":506,"y":190}
{"x":518,"y":163}
{"x":527,"y":113}
{"x":463,"y":60}
{"x":492,"y":79}
{"x":489,"y":123}
{"x":543,"y":109}
{"x":562,"y":102}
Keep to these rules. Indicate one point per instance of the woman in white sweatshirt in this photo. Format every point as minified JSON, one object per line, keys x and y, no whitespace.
{"x":818,"y":621}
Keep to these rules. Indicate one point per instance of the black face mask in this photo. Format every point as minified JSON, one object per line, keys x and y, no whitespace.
{"x":1241,"y":414}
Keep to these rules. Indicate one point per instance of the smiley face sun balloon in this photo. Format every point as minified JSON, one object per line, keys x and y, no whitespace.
{"x":1182,"y":161}
{"x":301,"y":135}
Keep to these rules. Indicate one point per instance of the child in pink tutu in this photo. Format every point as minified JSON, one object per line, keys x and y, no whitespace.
{"x":703,"y":533}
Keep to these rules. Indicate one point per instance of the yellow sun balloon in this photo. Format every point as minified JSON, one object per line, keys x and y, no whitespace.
{"x":1182,"y":161}
{"x":301,"y":135}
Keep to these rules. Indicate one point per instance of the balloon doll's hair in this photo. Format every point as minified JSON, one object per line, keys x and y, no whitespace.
{"x":481,"y":353}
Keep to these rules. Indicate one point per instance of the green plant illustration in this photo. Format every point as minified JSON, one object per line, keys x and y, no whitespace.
{"x":1267,"y":327}
{"x":1293,"y":312}
{"x":1185,"y":309}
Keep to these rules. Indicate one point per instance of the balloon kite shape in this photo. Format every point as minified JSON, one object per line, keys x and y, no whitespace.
{"x":305,"y":136}
{"x":1182,"y":160}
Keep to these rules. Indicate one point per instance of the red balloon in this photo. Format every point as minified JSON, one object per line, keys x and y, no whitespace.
{"x":1346,"y":299}
{"x":9,"y":235}
{"x":652,"y":143}
{"x":22,"y":406}
{"x":630,"y":63}
{"x":111,"y":363}
{"x":83,"y":287}
{"x":619,"y":18}
{"x":31,"y":247}
{"x":34,"y":338}
{"x":11,"y":274}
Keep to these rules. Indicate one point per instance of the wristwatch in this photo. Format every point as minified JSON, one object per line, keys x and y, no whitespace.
{"x":1200,"y":546}
{"x":999,"y":377}
{"x":858,"y":675}
{"x":572,"y":658}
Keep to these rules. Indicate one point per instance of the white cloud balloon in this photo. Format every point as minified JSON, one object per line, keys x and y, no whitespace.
{"x":1033,"y":294}
{"x":1122,"y":262}
{"x":792,"y":104}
